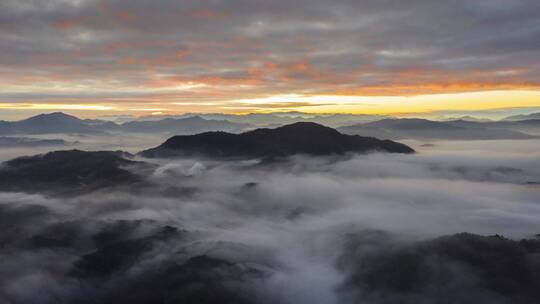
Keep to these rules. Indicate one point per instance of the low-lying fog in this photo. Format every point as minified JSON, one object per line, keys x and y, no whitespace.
{"x":129,"y":142}
{"x":289,"y":221}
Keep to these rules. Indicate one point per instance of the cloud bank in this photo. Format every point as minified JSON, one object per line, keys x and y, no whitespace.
{"x":296,"y":232}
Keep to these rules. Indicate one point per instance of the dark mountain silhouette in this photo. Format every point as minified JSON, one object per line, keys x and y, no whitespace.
{"x":55,"y":123}
{"x":297,"y":138}
{"x":64,"y":172}
{"x":462,"y":268}
{"x":201,"y":279}
{"x":117,"y":255}
{"x":387,"y":128}
{"x":63,"y":123}
{"x":268,"y":120}
{"x":413,"y":128}
{"x":188,"y":125}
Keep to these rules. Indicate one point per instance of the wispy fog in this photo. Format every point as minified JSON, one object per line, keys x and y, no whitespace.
{"x":129,"y":142}
{"x":284,"y":228}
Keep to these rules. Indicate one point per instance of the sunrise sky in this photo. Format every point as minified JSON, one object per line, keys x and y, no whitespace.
{"x":143,"y":57}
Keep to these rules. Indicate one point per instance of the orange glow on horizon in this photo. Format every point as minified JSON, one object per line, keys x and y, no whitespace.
{"x":314,"y":104}
{"x":388,"y":105}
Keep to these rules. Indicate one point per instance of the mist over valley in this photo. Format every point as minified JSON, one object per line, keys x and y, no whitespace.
{"x":336,"y":226}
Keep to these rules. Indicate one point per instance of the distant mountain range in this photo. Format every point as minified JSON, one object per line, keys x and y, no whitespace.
{"x":466,"y":117}
{"x":364,"y":125}
{"x":55,"y":123}
{"x":523,"y":117}
{"x":528,"y":126}
{"x":297,"y":138}
{"x":62,"y":123}
{"x":269,"y":120}
{"x":423,"y":129}
{"x":188,"y":125}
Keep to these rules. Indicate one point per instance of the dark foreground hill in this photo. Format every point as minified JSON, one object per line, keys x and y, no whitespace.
{"x":298,"y":138}
{"x":460,"y":268}
{"x":66,"y":171}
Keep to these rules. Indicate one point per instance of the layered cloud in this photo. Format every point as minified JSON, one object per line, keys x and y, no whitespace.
{"x":148,"y":53}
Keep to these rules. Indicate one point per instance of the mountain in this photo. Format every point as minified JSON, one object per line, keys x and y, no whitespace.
{"x":9,"y":142}
{"x":528,"y":126}
{"x":277,"y":119}
{"x":523,"y":117}
{"x":200,"y":279}
{"x":507,"y":270}
{"x":422,"y":129}
{"x":63,"y":123}
{"x":55,"y":123}
{"x":531,"y":126}
{"x":63,"y":172}
{"x":297,"y":138}
{"x":188,"y":125}
{"x":466,"y":118}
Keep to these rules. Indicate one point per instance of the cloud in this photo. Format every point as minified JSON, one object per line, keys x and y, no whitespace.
{"x":245,"y":49}
{"x":255,"y":232}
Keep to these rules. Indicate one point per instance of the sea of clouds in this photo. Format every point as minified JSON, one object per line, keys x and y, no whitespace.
{"x":284,"y":229}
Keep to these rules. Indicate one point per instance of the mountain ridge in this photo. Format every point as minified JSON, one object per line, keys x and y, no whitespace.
{"x":298,"y":138}
{"x":67,"y":171}
{"x":424,"y":129}
{"x":59,"y":122}
{"x":522,"y":117}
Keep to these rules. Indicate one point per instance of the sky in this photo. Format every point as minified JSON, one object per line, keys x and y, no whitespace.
{"x":143,"y":57}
